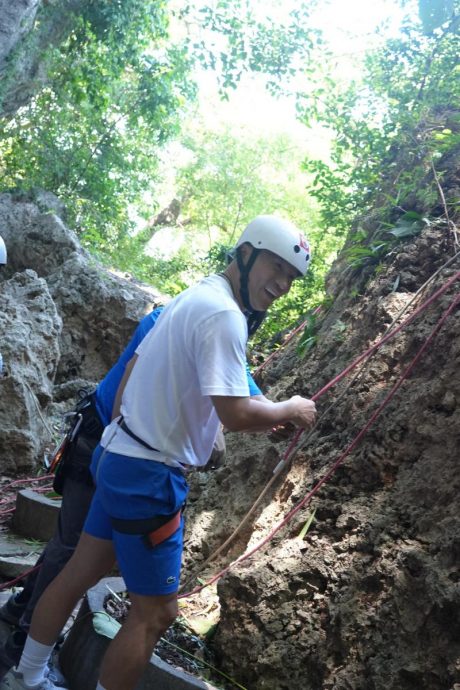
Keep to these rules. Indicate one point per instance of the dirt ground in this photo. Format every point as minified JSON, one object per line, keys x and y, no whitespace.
{"x":369,"y":599}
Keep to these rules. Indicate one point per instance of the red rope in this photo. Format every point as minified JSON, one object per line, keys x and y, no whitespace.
{"x":388,"y":336}
{"x":368,"y":353}
{"x":22,"y":576}
{"x":28,"y":481}
{"x":352,"y":445}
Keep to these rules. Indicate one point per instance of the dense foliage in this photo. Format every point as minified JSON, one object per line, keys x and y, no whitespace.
{"x":114,"y":88}
{"x":118,"y":87}
{"x":392,"y":134}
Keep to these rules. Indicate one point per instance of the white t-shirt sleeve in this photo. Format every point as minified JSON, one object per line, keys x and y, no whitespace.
{"x":220,"y":355}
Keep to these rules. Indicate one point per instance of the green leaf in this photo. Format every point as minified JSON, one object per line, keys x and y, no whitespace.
{"x":307,"y":525}
{"x":411,"y":215}
{"x":406,"y":230}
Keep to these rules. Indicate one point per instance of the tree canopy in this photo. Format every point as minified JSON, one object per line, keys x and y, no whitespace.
{"x":121,"y":84}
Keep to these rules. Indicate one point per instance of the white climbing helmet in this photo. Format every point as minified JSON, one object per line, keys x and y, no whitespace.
{"x":280,"y":237}
{"x":3,"y":255}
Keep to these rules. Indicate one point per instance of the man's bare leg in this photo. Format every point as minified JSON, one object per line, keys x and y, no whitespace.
{"x":130,"y":651}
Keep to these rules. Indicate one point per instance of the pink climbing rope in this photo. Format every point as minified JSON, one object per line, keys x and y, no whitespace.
{"x":357,"y":438}
{"x":22,"y":576}
{"x":371,"y":351}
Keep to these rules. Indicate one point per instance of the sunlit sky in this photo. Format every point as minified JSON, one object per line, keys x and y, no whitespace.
{"x":350,"y":27}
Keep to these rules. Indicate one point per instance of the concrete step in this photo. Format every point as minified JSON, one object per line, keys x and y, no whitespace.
{"x":35,"y":515}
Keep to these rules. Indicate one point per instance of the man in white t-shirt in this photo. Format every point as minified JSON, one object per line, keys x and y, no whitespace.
{"x":187,"y":377}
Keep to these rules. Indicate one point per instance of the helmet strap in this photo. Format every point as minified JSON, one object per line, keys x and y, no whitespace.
{"x":253,"y":317}
{"x":244,"y":275}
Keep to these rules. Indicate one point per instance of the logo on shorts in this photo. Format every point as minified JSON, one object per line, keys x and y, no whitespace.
{"x":171,"y":580}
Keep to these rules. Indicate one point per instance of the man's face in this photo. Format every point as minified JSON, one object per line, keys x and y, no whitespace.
{"x":270,"y":278}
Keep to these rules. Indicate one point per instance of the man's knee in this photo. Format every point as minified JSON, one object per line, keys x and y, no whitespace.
{"x":155,"y":613}
{"x":166,"y":618}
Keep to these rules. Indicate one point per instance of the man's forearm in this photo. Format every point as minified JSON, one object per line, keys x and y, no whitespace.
{"x":247,"y":414}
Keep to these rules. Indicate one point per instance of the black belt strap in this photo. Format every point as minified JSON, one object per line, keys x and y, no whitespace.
{"x":154,"y":530}
{"x":122,"y":424}
{"x":141,"y":526}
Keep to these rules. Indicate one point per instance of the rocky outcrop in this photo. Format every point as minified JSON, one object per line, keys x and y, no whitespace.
{"x":30,"y":327}
{"x":64,"y":319}
{"x":24,"y":43}
{"x":17,"y":20}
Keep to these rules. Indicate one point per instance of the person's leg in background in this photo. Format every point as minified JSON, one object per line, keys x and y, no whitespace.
{"x":18,"y":610}
{"x":92,"y":559}
{"x":151,"y":571}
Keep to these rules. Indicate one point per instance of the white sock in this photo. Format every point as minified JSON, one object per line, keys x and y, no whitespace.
{"x":99,"y":686}
{"x":34,"y":660}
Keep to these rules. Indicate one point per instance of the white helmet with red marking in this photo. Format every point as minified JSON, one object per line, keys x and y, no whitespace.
{"x":280,"y":237}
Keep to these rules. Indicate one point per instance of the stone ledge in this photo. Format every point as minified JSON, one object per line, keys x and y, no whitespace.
{"x":14,"y":566}
{"x":35,"y":516}
{"x":17,"y":556}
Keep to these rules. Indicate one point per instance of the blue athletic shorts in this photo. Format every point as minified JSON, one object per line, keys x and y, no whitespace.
{"x":135,"y":489}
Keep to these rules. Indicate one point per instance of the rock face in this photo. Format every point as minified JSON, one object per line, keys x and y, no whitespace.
{"x":24,"y":42}
{"x":63,"y":319}
{"x":17,"y":18}
{"x":369,"y":599}
{"x":30,"y":327}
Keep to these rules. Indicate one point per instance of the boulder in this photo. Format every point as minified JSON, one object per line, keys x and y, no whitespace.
{"x":17,"y":20}
{"x":99,"y":310}
{"x":64,"y":320}
{"x":30,"y":328}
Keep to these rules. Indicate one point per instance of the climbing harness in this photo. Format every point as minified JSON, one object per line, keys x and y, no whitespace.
{"x":153,"y":530}
{"x":72,"y":457}
{"x":122,"y":424}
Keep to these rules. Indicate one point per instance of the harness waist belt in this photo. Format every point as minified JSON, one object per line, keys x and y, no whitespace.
{"x":122,"y":424}
{"x":154,"y":530}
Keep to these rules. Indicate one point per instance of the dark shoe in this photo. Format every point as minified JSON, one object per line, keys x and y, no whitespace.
{"x":11,"y":651}
{"x":11,"y":611}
